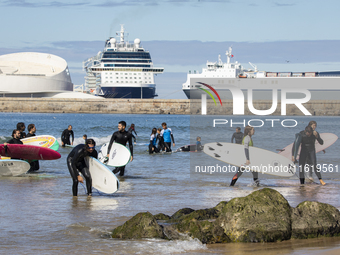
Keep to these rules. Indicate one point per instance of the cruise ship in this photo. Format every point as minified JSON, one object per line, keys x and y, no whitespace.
{"x":121,"y":70}
{"x":222,"y":77}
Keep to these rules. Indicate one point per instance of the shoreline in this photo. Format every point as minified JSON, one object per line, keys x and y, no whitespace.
{"x":155,"y":106}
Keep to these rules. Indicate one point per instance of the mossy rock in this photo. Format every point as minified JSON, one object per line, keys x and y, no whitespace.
{"x":142,"y":225}
{"x":162,"y":216}
{"x":181,"y":212}
{"x":313,"y":219}
{"x":262,"y":216}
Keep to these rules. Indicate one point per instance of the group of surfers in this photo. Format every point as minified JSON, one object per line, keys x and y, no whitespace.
{"x":307,"y":158}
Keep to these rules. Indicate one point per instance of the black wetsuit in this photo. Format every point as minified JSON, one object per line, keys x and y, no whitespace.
{"x":65,"y":136}
{"x":23,"y":135}
{"x":161,"y":144}
{"x":76,"y":163}
{"x":152,"y":145}
{"x":34,"y":164}
{"x":307,"y":151}
{"x":238,"y":137}
{"x":121,"y":138}
{"x":130,"y":130}
{"x":14,"y":141}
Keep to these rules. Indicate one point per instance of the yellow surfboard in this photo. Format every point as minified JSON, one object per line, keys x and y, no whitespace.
{"x":46,"y":141}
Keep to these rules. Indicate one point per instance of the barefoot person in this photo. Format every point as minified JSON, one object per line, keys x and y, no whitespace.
{"x":76,"y":165}
{"x":247,"y":141}
{"x":122,"y":137}
{"x":306,"y":139}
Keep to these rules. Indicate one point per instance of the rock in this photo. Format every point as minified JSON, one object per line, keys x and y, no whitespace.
{"x":181,"y":213}
{"x":162,"y":216}
{"x":142,"y":225}
{"x":262,"y":216}
{"x":220,"y":206}
{"x":313,"y":219}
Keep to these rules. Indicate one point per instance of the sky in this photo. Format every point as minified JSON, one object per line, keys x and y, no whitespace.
{"x":287,"y":35}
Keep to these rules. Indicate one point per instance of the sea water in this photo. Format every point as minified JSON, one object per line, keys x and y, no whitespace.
{"x":39,"y":215}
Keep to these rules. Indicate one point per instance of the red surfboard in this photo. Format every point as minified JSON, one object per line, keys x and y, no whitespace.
{"x":30,"y":152}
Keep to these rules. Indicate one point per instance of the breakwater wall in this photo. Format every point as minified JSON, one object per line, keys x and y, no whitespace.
{"x":155,"y":106}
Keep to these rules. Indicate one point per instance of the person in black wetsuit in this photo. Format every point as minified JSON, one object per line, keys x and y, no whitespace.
{"x":76,"y":164}
{"x":122,"y":137}
{"x":31,"y":132}
{"x":132,"y":129}
{"x":65,"y":136}
{"x":21,"y":127}
{"x":15,"y":139}
{"x":161,"y":144}
{"x":238,"y":136}
{"x":307,"y":140}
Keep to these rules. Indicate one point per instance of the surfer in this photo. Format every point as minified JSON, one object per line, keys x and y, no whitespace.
{"x":199,"y":146}
{"x":31,"y":132}
{"x":167,"y":136}
{"x":15,"y":138}
{"x":65,"y":136}
{"x":122,"y":137}
{"x":238,"y":136}
{"x":76,"y":165}
{"x":153,"y":142}
{"x":160,"y":146}
{"x":85,"y":138}
{"x":246,"y":141}
{"x":306,"y":138}
{"x":309,"y":174}
{"x":21,"y":127}
{"x":132,"y":129}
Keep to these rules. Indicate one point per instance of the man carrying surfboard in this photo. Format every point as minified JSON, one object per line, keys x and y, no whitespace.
{"x":122,"y":137}
{"x":76,"y":164}
{"x":306,"y":139}
{"x":247,"y":141}
{"x":15,"y":140}
{"x":65,"y":136}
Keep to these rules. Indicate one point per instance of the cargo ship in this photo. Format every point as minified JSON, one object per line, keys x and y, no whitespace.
{"x":223,"y":76}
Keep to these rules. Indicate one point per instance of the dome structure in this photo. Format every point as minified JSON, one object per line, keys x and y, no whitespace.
{"x":31,"y":74}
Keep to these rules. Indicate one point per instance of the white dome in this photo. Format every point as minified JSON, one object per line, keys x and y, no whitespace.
{"x":137,"y":41}
{"x":113,"y":40}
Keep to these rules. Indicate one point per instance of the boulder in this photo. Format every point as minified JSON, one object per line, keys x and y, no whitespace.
{"x":162,"y":216}
{"x":181,"y":212}
{"x":313,"y":219}
{"x":262,"y":216}
{"x":142,"y":225}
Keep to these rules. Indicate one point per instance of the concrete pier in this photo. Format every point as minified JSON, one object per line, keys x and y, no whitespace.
{"x":154,"y":106}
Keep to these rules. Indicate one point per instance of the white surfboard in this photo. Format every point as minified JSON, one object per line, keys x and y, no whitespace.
{"x":13,"y":167}
{"x":46,"y":141}
{"x":102,"y":177}
{"x":328,"y":140}
{"x":119,"y":155}
{"x":262,"y":161}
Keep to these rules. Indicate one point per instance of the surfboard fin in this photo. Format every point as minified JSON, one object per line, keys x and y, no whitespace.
{"x":210,"y":148}
{"x":216,"y":155}
{"x":219,"y":144}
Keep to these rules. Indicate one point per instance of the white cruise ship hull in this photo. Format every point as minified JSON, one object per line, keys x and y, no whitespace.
{"x":130,"y":91}
{"x":321,"y":88}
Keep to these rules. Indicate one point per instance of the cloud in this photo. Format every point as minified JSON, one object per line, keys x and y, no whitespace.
{"x":284,"y":5}
{"x":34,"y":4}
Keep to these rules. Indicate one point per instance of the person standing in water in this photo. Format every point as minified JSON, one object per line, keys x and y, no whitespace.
{"x":132,"y":129}
{"x":65,"y":136}
{"x":167,"y":136}
{"x":21,"y":127}
{"x":31,"y":132}
{"x":247,"y":141}
{"x":15,"y":139}
{"x":122,"y":137}
{"x":76,"y":165}
{"x":306,"y":139}
{"x":160,"y":146}
{"x":153,"y":142}
{"x":238,"y":136}
{"x":199,"y":146}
